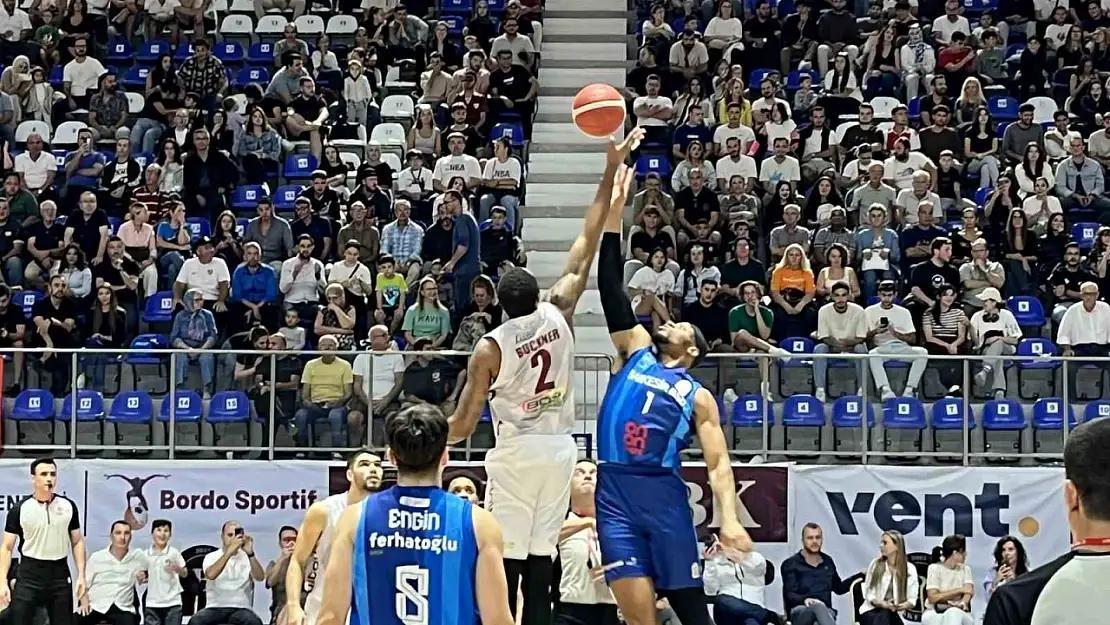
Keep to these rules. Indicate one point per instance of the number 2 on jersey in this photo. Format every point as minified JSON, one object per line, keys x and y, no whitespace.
{"x":542,"y":359}
{"x":635,"y":435}
{"x":412,"y":595}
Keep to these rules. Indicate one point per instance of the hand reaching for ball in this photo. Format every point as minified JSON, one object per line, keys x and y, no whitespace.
{"x":617,"y":152}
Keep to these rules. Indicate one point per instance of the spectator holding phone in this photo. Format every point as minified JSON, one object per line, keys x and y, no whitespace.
{"x":891,"y":332}
{"x":1010,"y":561}
{"x":231,"y":573}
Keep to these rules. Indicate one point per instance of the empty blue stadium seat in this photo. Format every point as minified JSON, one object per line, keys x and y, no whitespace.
{"x":657,"y":164}
{"x":514,"y":132}
{"x":119,"y":51}
{"x":26,"y":299}
{"x":1027,"y":310}
{"x":261,"y":53}
{"x":245,"y":197}
{"x":229,"y":407}
{"x":847,"y":412}
{"x":230,"y":52}
{"x":1096,"y":409}
{"x":299,"y":166}
{"x":756,"y":76}
{"x":1048,"y":414}
{"x":803,"y":411}
{"x":283,"y":199}
{"x":455,"y":24}
{"x":188,"y":406}
{"x":982,"y":194}
{"x":56,"y":75}
{"x":250,"y":74}
{"x":1083,"y":233}
{"x":1003,"y":107}
{"x":1034,"y":349}
{"x":486,"y":415}
{"x":33,"y":404}
{"x":903,"y":413}
{"x":913,"y":108}
{"x":135,"y":78}
{"x":131,"y":407}
{"x":149,"y":343}
{"x":159,"y":308}
{"x":496,"y":7}
{"x":90,"y":406}
{"x":747,"y":411}
{"x":198,"y":227}
{"x":948,"y":414}
{"x":241,"y":224}
{"x":150,"y":51}
{"x":1003,"y":415}
{"x":456,"y":7}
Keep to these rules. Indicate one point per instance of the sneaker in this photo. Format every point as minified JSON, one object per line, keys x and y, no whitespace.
{"x":999,"y":394}
{"x":981,"y":377}
{"x":729,"y":397}
{"x":955,"y":391}
{"x":781,"y":353}
{"x":909,"y":392}
{"x":887,"y":393}
{"x":207,"y":395}
{"x":765,"y":390}
{"x":81,"y":381}
{"x":820,"y":395}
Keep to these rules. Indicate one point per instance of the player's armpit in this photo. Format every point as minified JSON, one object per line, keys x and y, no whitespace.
{"x":490,"y":585}
{"x":337,"y":578}
{"x":315,"y":520}
{"x":480,"y":373}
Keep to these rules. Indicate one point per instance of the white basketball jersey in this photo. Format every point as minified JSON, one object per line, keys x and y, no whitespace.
{"x":318,"y":563}
{"x":534,"y":389}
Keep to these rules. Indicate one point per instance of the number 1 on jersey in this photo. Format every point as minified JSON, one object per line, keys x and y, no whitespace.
{"x":412,"y":588}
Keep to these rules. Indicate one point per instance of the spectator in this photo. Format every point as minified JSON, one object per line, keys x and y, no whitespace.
{"x":194,"y":328}
{"x":45,"y":240}
{"x":173,"y":242}
{"x":736,"y":582}
{"x":1080,"y":182}
{"x":890,"y":586}
{"x":427,"y":318}
{"x":356,"y":279}
{"x":742,"y":268}
{"x":80,"y":79}
{"x":414,"y":183}
{"x":708,"y":314}
{"x":306,"y":116}
{"x":980,"y":275}
{"x":55,"y":319}
{"x":173,"y":171}
{"x":402,"y":239}
{"x":83,"y":167}
{"x":1084,"y":330}
{"x":1040,"y":206}
{"x":693,"y":274}
{"x":287,"y":381}
{"x":287,"y":537}
{"x":1010,"y":562}
{"x":430,"y":378}
{"x":120,"y":178}
{"x":254,"y":291}
{"x":750,"y":324}
{"x":202,"y":73}
{"x":501,"y":180}
{"x":361,"y":230}
{"x":272,"y":233}
{"x":112,"y":574}
{"x":512,"y":89}
{"x":945,"y":332}
{"x":73,"y":267}
{"x":780,"y":167}
{"x":817,"y":145}
{"x":316,"y":228}
{"x":790,"y":233}
{"x":917,"y":241}
{"x":1058,"y":138}
{"x":1019,"y":249}
{"x":324,"y":200}
{"x":140,"y":247}
{"x":873,"y":190}
{"x":735,"y":163}
{"x":36,"y":168}
{"x":245,"y":366}
{"x":949,"y":585}
{"x":259,"y":148}
{"x":13,"y":326}
{"x":500,"y":250}
{"x":891,"y":331}
{"x":835,"y":233}
{"x":285,"y":85}
{"x":902,"y":167}
{"x":326,"y":384}
{"x":108,"y":111}
{"x":206,"y":273}
{"x":302,"y":279}
{"x":336,"y":318}
{"x":1066,"y":280}
{"x":107,"y":331}
{"x":377,"y":385}
{"x":649,"y":287}
{"x":208,"y":176}
{"x":940,"y":136}
{"x":809,"y":579}
{"x":837,"y":269}
{"x":465,"y":261}
{"x":165,"y":569}
{"x":928,"y":276}
{"x":1021,"y":133}
{"x":981,"y":148}
{"x":121,"y":275}
{"x":229,"y":244}
{"x":841,"y":328}
{"x":11,"y":247}
{"x":230,"y":574}
{"x":377,"y":200}
{"x":994,"y":332}
{"x":792,"y":290}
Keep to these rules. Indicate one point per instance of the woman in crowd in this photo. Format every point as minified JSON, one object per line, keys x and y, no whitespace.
{"x":837,"y":269}
{"x":501,"y":178}
{"x":140,"y":245}
{"x":1002,"y":201}
{"x":1033,"y":66}
{"x":1094,"y":102}
{"x":1033,"y":165}
{"x":1040,"y":207}
{"x":173,"y":244}
{"x":424,"y":136}
{"x":223,"y":136}
{"x":1072,"y":53}
{"x":332,"y":164}
{"x":106,"y":331}
{"x":981,"y":147}
{"x":1051,"y":244}
{"x":792,"y":290}
{"x":325,"y":65}
{"x":964,"y":236}
{"x":949,"y":585}
{"x":695,"y":159}
{"x":890,"y":585}
{"x":783,"y":196}
{"x":1010,"y":562}
{"x":823,"y":192}
{"x":693,"y":96}
{"x":945,"y":329}
{"x":734,"y":92}
{"x":194,"y":328}
{"x":689,"y":281}
{"x":649,"y":287}
{"x":428,"y":318}
{"x":229,"y":243}
{"x":483,"y":300}
{"x":884,"y":64}
{"x":1019,"y":252}
{"x":971,"y":100}
{"x":482,"y":26}
{"x":75,"y":269}
{"x":993,"y":332}
{"x":657,"y":33}
{"x":1098,"y":258}
{"x":337,"y":318}
{"x":259,"y":147}
{"x":169,"y":159}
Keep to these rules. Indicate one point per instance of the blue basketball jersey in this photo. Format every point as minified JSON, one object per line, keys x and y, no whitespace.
{"x":646,"y":416}
{"x":415,"y":555}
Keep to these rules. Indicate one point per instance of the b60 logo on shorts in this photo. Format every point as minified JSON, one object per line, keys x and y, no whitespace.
{"x":548,"y":400}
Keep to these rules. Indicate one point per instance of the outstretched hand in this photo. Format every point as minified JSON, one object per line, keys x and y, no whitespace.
{"x":622,"y":184}
{"x":618,"y":151}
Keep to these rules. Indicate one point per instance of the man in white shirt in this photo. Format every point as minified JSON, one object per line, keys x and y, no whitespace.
{"x":908,"y":200}
{"x":511,"y":40}
{"x":15,"y":24}
{"x":230,"y":573}
{"x":1057,"y":139}
{"x":456,"y":164}
{"x":779,"y":167}
{"x":415,"y":182}
{"x":166,"y":567}
{"x":35,"y":167}
{"x":733,"y":128}
{"x":81,"y":77}
{"x":841,"y":328}
{"x":377,"y":383}
{"x":1085,"y":329}
{"x":735,"y":163}
{"x":302,"y":279}
{"x":890,"y":329}
{"x":112,"y":574}
{"x":653,"y":111}
{"x":950,"y":22}
{"x":207,"y":274}
{"x":900,"y":167}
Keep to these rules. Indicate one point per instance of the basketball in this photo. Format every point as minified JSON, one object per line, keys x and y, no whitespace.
{"x":598,"y":110}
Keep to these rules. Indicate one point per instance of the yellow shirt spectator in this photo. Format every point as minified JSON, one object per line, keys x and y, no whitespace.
{"x":326,"y":382}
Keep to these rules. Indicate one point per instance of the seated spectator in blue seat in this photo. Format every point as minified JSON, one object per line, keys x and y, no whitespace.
{"x":337,"y":318}
{"x":1066,"y":280}
{"x":316,"y":228}
{"x":83,"y":168}
{"x":259,"y":148}
{"x":12,"y":243}
{"x":208,"y":177}
{"x":891,"y":331}
{"x":326,"y":383}
{"x":501,"y":180}
{"x":209,"y":274}
{"x":792,"y":291}
{"x":140,"y":246}
{"x":809,"y":579}
{"x":1080,"y":182}
{"x":174,"y":244}
{"x":45,"y":240}
{"x":194,"y":328}
{"x":841,"y":328}
{"x":1085,"y":330}
{"x":307,"y":114}
{"x":993,"y":331}
{"x":88,"y":228}
{"x":229,"y":244}
{"x":302,"y":279}
{"x":500,"y":250}
{"x":254,"y":292}
{"x":107,"y":330}
{"x":121,"y":275}
{"x":944,"y":327}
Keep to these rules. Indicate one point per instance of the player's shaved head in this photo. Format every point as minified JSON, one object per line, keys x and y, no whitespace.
{"x":417,"y":438}
{"x":518,"y":292}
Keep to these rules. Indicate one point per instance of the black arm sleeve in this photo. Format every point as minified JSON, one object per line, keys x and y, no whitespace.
{"x":610,"y":278}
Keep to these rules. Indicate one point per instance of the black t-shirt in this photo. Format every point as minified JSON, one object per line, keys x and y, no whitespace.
{"x":1069,"y":279}
{"x":928,"y":277}
{"x":168,"y":102}
{"x":241,"y":342}
{"x":947,"y":179}
{"x":649,"y":243}
{"x":326,"y":205}
{"x":712,"y":320}
{"x":114,"y":277}
{"x":86,"y":233}
{"x":319,"y":230}
{"x":382,"y":170}
{"x":1053,"y":592}
{"x":46,"y":237}
{"x":513,"y":84}
{"x":432,"y":383}
{"x":10,"y":232}
{"x":12,"y":317}
{"x":473,"y":139}
{"x":929,"y":103}
{"x":733,"y":274}
{"x":978,"y":144}
{"x":308,"y":108}
{"x":770,"y":30}
{"x":856,"y":136}
{"x":697,"y":206}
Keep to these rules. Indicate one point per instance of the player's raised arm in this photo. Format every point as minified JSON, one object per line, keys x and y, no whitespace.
{"x":718,"y":464}
{"x":337,"y":578}
{"x":490,"y":584}
{"x":568,"y":288}
{"x":627,"y":333}
{"x":315,"y":520}
{"x":480,"y":373}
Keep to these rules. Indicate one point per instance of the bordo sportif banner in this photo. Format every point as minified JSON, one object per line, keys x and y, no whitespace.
{"x":855,"y":504}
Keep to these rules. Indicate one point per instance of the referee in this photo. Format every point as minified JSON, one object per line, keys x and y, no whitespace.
{"x":46,"y":523}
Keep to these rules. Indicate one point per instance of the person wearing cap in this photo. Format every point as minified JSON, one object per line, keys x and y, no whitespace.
{"x":891,"y":333}
{"x":376,"y":198}
{"x":1084,"y":331}
{"x":205,"y":273}
{"x":1022,"y":132}
{"x":374,"y":163}
{"x":979,"y":275}
{"x":326,"y":388}
{"x":316,"y":227}
{"x":993,"y":331}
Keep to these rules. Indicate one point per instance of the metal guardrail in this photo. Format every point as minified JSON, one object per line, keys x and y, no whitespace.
{"x":591,"y":375}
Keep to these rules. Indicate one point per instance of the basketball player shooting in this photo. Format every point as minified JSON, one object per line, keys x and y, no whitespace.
{"x":415,"y":554}
{"x":652,"y":406}
{"x":314,"y":541}
{"x":525,"y":368}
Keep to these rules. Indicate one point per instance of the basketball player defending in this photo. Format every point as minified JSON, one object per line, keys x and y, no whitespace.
{"x":310,"y":554}
{"x":525,"y":368}
{"x":415,"y":554}
{"x":651,"y":408}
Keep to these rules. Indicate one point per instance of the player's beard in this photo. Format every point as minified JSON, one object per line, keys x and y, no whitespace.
{"x":659,"y":339}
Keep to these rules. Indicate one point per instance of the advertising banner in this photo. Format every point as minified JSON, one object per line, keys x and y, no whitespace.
{"x":855,"y":504}
{"x":198,"y":497}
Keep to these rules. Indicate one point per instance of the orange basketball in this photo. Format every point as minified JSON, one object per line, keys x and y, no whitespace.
{"x":598,"y":110}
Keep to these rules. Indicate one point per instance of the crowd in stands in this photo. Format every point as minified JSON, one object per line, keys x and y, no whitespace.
{"x":885,"y":177}
{"x":182,"y":189}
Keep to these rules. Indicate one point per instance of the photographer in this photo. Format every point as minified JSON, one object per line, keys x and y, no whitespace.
{"x":231,"y":573}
